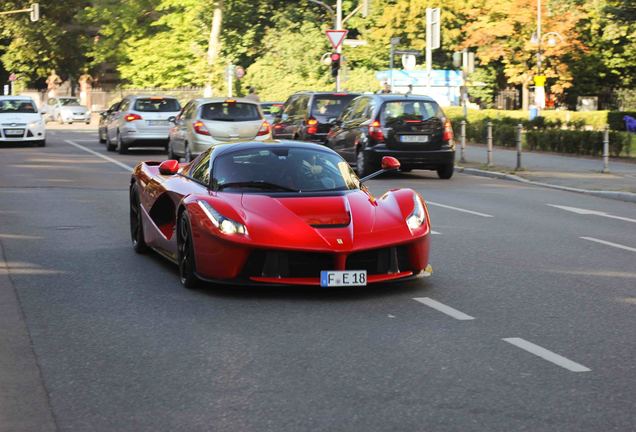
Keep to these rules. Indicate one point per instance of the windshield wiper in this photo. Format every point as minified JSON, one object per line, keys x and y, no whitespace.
{"x":256,"y":184}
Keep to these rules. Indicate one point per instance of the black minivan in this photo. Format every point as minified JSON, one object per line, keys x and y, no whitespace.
{"x":411,"y":128}
{"x":307,"y":116}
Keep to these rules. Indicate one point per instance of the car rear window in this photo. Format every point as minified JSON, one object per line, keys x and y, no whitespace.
{"x":271,"y":108}
{"x":17,"y":106}
{"x":409,"y":110}
{"x":329,"y":106}
{"x":230,"y":111}
{"x":157,"y":105}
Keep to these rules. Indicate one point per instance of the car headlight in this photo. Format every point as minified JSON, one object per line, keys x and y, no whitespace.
{"x":418,"y":215}
{"x":224,"y":224}
{"x":36,"y":123}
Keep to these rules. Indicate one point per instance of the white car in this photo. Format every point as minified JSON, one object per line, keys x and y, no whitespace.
{"x":21,"y":121}
{"x":204,"y":123}
{"x":63,"y":109}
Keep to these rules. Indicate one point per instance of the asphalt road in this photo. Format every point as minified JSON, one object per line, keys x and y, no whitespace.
{"x":541,"y":333}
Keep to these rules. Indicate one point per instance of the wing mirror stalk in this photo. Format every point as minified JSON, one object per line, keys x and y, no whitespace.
{"x":389,"y":163}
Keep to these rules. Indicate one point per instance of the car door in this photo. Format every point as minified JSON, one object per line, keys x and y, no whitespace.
{"x":283,"y":128}
{"x":182,"y":126}
{"x":116,"y":118}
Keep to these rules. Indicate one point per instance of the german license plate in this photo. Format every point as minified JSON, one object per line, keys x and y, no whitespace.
{"x":414,"y":138}
{"x":329,"y":278}
{"x":14,"y":132}
{"x":157,"y":122}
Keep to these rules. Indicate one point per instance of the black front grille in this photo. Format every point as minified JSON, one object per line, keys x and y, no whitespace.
{"x":271,"y":263}
{"x":380,"y":261}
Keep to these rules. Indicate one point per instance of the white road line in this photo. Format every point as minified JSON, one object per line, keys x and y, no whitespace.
{"x":108,"y":158}
{"x":591,"y":212}
{"x":459,"y":209}
{"x":436,"y":232}
{"x":547,"y":355}
{"x":616,"y":245}
{"x":441,"y":307}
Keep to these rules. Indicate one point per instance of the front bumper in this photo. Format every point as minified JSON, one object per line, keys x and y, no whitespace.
{"x":27,"y":133}
{"x":423,"y":159}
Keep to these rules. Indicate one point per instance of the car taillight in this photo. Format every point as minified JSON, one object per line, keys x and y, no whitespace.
{"x":264,"y":130}
{"x":312,"y":126}
{"x":199,"y":127}
{"x":132,"y":117}
{"x":448,"y":131}
{"x":375,"y":131}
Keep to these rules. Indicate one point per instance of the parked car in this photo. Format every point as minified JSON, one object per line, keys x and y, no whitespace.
{"x":277,"y":213}
{"x":141,"y":121}
{"x":204,"y":123}
{"x":104,"y":118}
{"x":64,"y":109}
{"x":413,"y":129}
{"x":307,"y":115}
{"x":270,"y":109}
{"x":21,"y":121}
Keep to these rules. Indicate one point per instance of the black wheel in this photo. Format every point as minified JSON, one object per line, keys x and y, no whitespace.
{"x":171,"y":153}
{"x":136,"y":226}
{"x":364,"y":166}
{"x":185,"y":254}
{"x":122,"y":147}
{"x":102,"y":140}
{"x":109,"y":144}
{"x":445,"y":171}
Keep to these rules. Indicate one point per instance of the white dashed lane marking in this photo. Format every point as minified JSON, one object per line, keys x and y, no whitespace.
{"x":441,"y":307}
{"x":547,"y":355}
{"x":107,"y":158}
{"x":592,"y":212}
{"x":459,"y":209}
{"x":607,"y":243}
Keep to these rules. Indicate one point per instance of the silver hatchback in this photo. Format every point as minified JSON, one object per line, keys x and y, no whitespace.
{"x":204,"y":123}
{"x":141,"y":121}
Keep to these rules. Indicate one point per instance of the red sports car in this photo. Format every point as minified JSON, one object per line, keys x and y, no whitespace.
{"x":277,"y":213}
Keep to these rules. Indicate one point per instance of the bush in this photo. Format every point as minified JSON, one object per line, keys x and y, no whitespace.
{"x":615,"y":119}
{"x":578,"y":142}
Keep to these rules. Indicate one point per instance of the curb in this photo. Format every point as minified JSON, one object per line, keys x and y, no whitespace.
{"x":622,"y":196}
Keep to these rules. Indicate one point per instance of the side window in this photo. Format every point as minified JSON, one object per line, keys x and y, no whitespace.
{"x":184,"y":112}
{"x":360,"y":109}
{"x":124,"y":105}
{"x":201,"y":171}
{"x":347,"y":114}
{"x":290,"y":105}
{"x":303,"y":106}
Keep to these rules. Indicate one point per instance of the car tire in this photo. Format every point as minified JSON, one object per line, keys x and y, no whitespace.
{"x":136,"y":224}
{"x":446,"y":171}
{"x":122,"y":147}
{"x":185,"y":254}
{"x":363,"y":163}
{"x":109,"y":145}
{"x":102,"y":140}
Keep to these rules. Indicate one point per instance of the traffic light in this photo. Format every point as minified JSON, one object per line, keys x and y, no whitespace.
{"x":335,"y":64}
{"x":35,"y":12}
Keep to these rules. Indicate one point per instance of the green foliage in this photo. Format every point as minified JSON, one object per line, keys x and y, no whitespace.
{"x":578,"y":142}
{"x":616,"y":121}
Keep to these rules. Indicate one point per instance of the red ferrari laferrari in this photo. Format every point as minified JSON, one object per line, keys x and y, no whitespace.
{"x":277,"y":213}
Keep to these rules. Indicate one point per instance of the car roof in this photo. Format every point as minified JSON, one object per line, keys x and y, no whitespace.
{"x":270,"y":144}
{"x":400,"y":97}
{"x":328,"y":93}
{"x":27,"y":98}
{"x":223,"y":99}
{"x":150,"y":96}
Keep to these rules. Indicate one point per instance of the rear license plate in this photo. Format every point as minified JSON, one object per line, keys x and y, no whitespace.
{"x":157,"y":122}
{"x":329,"y":278}
{"x":414,"y":138}
{"x":14,"y":132}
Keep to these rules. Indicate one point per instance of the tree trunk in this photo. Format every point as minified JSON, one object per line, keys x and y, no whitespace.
{"x":214,"y":44}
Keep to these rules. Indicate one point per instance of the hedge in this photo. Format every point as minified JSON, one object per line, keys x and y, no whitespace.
{"x":578,"y":142}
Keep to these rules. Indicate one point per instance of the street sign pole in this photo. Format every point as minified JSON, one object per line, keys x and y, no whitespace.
{"x":432,"y":40}
{"x":339,"y":48}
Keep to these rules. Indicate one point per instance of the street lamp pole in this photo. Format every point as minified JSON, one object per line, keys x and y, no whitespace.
{"x":539,"y":91}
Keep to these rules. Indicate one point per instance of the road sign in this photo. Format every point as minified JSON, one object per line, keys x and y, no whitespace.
{"x":13,"y":77}
{"x":433,"y":24}
{"x":336,"y":37}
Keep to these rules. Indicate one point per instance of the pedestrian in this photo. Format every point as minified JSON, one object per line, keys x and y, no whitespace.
{"x":385,"y":89}
{"x":410,"y":90}
{"x":252,"y":95}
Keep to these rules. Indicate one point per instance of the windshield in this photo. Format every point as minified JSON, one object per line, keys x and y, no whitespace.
{"x":409,"y":110}
{"x":17,"y":106}
{"x":230,"y":111}
{"x":330,"y":106}
{"x":283,"y":169}
{"x":157,"y":105}
{"x":69,"y":102}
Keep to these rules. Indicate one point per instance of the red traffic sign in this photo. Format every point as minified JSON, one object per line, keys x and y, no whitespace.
{"x":336,"y":37}
{"x":13,"y":77}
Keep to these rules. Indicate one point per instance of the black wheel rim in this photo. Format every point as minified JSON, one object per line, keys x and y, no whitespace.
{"x":135,"y":217}
{"x":185,"y":258}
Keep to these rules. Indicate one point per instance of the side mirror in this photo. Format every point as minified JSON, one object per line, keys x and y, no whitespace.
{"x":172,"y":120}
{"x":284,"y":117}
{"x":389,"y":163}
{"x":169,"y":167}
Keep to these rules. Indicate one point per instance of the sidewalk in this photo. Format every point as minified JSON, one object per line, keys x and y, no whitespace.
{"x":577,"y":173}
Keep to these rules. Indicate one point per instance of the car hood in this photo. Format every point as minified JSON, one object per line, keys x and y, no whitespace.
{"x":350,"y":221}
{"x":9,"y":118}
